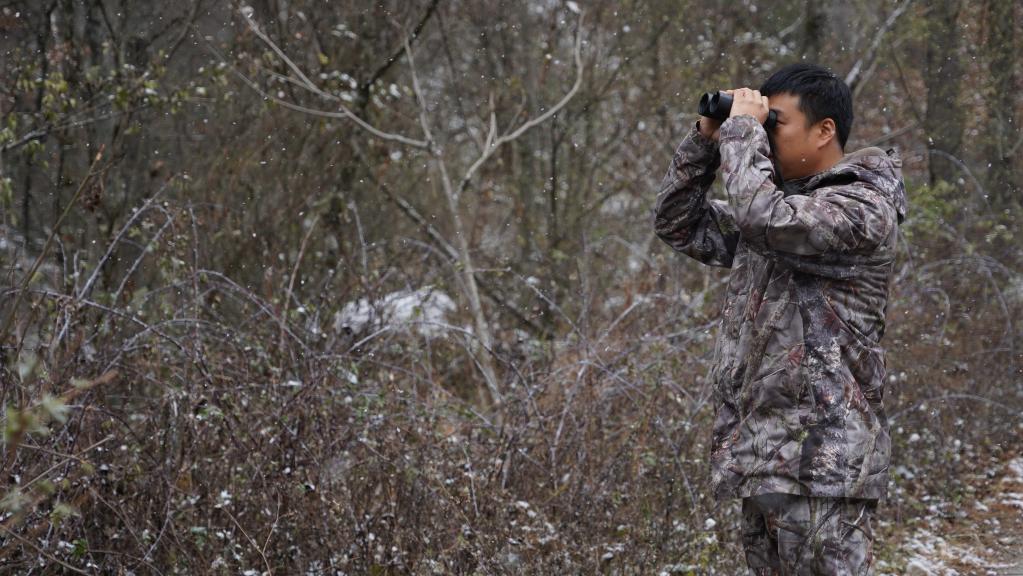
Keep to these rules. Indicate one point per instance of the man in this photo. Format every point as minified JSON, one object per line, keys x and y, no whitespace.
{"x":800,"y":432}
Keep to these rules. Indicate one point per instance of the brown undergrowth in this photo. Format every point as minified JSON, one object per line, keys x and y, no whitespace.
{"x":200,"y":427}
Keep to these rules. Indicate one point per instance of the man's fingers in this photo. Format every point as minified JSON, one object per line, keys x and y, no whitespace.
{"x":747,"y":94}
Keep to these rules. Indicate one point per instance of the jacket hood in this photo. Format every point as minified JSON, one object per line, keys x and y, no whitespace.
{"x":878,"y":168}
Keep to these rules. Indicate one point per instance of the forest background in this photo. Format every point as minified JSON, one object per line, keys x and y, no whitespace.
{"x":295,"y":286}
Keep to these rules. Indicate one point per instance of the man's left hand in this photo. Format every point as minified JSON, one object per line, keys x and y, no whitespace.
{"x":746,"y":101}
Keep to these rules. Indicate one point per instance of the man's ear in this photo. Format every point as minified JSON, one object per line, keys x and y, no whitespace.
{"x":826,"y":132}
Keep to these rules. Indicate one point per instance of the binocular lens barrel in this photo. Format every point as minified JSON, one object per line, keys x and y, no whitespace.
{"x":718,"y":105}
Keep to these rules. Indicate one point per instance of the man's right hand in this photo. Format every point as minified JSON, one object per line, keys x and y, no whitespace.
{"x":710,"y":127}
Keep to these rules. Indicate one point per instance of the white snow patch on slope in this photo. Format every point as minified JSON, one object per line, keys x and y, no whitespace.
{"x":423,"y":310}
{"x":929,"y":554}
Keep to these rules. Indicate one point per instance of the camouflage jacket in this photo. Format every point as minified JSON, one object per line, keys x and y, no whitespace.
{"x":798,"y":374}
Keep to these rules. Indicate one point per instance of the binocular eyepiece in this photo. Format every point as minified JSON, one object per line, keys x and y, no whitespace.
{"x":718,"y":105}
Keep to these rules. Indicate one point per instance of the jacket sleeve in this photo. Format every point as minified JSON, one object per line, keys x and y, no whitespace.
{"x":843,"y":218}
{"x":683,"y":217}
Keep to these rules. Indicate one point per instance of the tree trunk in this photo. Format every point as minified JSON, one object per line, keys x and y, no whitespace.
{"x":1003,"y":130}
{"x":944,"y":118}
{"x":813,"y":30}
{"x":482,"y":347}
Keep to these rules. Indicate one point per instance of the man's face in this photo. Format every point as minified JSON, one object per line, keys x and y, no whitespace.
{"x":798,"y":145}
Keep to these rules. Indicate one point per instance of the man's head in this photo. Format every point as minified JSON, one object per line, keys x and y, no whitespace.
{"x":815,"y":114}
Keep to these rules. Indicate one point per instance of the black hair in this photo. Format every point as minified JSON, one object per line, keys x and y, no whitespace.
{"x":821,"y":93}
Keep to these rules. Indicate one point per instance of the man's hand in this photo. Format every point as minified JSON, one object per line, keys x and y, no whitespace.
{"x":710,"y":127}
{"x":746,"y":101}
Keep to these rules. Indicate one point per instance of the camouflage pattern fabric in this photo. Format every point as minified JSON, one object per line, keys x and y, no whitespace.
{"x":798,"y":374}
{"x":785,"y":534}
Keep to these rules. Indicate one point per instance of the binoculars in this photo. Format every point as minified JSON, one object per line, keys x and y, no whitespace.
{"x":717,"y":105}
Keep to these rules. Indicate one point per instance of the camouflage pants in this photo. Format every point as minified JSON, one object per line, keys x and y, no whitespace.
{"x":792,"y":535}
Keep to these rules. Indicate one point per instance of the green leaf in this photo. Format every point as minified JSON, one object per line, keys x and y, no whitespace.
{"x":81,"y":547}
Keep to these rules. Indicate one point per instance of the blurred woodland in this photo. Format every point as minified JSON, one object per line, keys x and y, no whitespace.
{"x":308,"y":287}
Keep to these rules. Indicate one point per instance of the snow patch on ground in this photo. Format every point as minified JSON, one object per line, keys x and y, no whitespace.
{"x":929,"y":553}
{"x":1014,"y":475}
{"x":424,"y":310}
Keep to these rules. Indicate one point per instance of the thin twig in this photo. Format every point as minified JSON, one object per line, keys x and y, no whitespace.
{"x":49,"y":240}
{"x":251,"y":541}
{"x":344,"y":112}
{"x":853,"y":77}
{"x":493,"y":142}
{"x":42,"y":552}
{"x":294,"y":274}
{"x":277,"y":517}
{"x":87,"y":288}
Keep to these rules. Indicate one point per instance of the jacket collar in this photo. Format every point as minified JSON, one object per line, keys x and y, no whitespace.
{"x":880,"y":169}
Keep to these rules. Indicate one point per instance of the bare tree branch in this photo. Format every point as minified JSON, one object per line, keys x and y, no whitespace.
{"x":308,"y":84}
{"x":493,"y":144}
{"x":853,"y":78}
{"x":485,"y":338}
{"x":430,"y":10}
